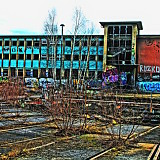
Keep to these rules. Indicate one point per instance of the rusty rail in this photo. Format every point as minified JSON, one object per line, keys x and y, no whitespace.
{"x":155,"y":153}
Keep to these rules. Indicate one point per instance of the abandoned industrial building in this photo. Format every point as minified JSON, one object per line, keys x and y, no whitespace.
{"x":121,"y":56}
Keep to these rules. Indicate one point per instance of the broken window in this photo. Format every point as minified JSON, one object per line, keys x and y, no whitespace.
{"x":100,"y":57}
{"x":21,"y":43}
{"x":101,"y":43}
{"x":28,"y":56}
{"x":5,"y":56}
{"x":116,"y":29}
{"x":75,"y":57}
{"x":13,"y":56}
{"x":123,"y":30}
{"x":6,"y":43}
{"x":5,"y":72}
{"x":36,"y":57}
{"x":14,"y":43}
{"x":58,"y":74}
{"x":29,"y":43}
{"x":129,"y":29}
{"x":92,"y":74}
{"x":68,"y":43}
{"x":35,"y":73}
{"x":84,"y":57}
{"x":92,"y":57}
{"x":36,"y":44}
{"x":21,"y":56}
{"x":116,"y":43}
{"x":20,"y":72}
{"x":110,"y":30}
{"x":68,"y":57}
{"x":13,"y":71}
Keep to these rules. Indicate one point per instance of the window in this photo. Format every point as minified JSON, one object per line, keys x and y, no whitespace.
{"x":14,"y":43}
{"x":0,"y":43}
{"x":123,"y":30}
{"x":116,"y":30}
{"x":0,"y":56}
{"x":68,"y":43}
{"x":129,"y":29}
{"x":5,"y":56}
{"x":36,"y":44}
{"x":44,"y":42}
{"x":110,"y":30}
{"x":75,"y":57}
{"x":101,"y":43}
{"x":5,"y":72}
{"x":28,"y":56}
{"x":100,"y":57}
{"x":20,"y":72}
{"x":29,"y":43}
{"x":84,"y":57}
{"x":92,"y":57}
{"x":13,"y":56}
{"x":21,"y":56}
{"x":68,"y":57}
{"x":93,"y":43}
{"x":6,"y":43}
{"x":21,"y":43}
{"x":36,"y":57}
{"x":35,"y":73}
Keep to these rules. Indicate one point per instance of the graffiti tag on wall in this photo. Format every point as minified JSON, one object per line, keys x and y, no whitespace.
{"x":149,"y":69}
{"x":149,"y":86}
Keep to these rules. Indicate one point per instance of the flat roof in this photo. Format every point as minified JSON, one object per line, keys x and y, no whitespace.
{"x":138,"y":23}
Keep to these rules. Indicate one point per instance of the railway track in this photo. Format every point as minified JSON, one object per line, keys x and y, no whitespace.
{"x":155,"y":153}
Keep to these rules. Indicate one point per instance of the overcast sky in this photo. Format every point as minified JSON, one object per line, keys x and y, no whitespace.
{"x":28,"y":16}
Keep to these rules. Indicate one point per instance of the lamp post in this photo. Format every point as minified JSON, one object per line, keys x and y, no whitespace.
{"x":61,"y":73}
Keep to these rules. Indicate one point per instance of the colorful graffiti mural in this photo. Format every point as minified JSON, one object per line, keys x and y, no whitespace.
{"x":110,"y":76}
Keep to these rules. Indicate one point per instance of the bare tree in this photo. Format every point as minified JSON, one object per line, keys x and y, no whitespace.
{"x":51,"y":29}
{"x":79,"y":22}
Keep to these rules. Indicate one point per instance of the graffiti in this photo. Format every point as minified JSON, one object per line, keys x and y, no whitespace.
{"x":110,"y":76}
{"x":153,"y":87}
{"x":148,"y":42}
{"x":123,"y":80}
{"x":149,"y":69}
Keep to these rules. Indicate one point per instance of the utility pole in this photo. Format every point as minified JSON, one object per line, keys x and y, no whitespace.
{"x":62,"y":68}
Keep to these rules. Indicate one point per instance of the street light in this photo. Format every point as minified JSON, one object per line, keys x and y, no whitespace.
{"x":61,"y":73}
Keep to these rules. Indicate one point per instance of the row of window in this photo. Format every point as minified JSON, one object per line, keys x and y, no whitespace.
{"x":58,"y":57}
{"x":48,"y":74}
{"x":44,"y":43}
